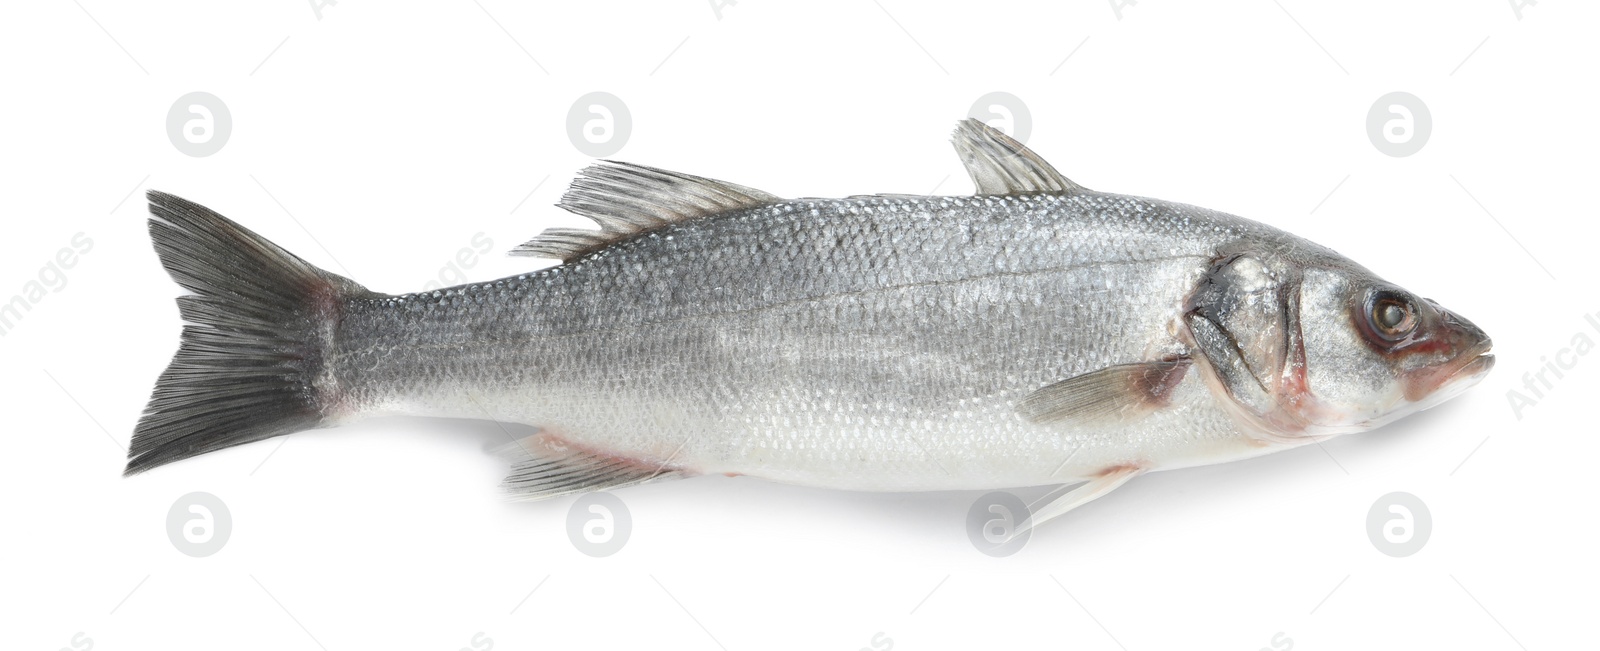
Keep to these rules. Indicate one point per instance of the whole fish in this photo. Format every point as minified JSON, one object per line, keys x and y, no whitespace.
{"x":1037,"y":333}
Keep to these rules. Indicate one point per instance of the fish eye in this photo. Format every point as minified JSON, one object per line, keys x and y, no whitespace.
{"x":1392,"y":316}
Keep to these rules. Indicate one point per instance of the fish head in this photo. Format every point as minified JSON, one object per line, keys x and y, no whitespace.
{"x":1310,"y":349}
{"x":1375,"y":352}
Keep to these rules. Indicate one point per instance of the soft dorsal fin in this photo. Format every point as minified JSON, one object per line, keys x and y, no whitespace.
{"x":1000,"y":165}
{"x":626,"y":199}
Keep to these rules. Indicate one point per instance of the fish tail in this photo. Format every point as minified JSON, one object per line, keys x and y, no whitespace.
{"x":259,"y":323}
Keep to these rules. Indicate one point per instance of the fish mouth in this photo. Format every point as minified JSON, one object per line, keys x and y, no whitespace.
{"x":1475,"y":368}
{"x":1436,"y":385}
{"x":1475,"y":364}
{"x":1433,"y":386}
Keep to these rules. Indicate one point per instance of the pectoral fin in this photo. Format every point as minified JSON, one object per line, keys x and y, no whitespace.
{"x":1057,"y":503}
{"x":1116,"y":392}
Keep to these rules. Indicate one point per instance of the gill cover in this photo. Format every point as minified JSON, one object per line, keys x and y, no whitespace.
{"x":1244,"y":319}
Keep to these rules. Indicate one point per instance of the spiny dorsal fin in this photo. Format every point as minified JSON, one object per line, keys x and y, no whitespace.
{"x":1000,"y":165}
{"x":627,"y":199}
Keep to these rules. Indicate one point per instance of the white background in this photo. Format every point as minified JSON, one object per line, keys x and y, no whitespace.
{"x":380,"y":139}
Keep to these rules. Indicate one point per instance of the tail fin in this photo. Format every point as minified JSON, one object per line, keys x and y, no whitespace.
{"x":259,"y":322}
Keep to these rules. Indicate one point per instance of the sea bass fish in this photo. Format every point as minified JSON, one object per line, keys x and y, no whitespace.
{"x":1036,"y":333}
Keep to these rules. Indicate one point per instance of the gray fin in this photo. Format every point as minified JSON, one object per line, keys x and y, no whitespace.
{"x":627,"y":199}
{"x":258,"y":324}
{"x":1124,"y":391}
{"x":547,"y":474}
{"x":1000,"y":165}
{"x":1056,"y":505}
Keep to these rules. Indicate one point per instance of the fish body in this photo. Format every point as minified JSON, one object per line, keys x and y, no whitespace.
{"x":756,"y":344}
{"x":1036,"y":333}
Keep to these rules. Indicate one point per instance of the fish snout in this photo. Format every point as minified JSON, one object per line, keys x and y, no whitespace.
{"x":1475,"y":346}
{"x":1465,"y":348}
{"x":1456,"y":331}
{"x":1465,"y":336}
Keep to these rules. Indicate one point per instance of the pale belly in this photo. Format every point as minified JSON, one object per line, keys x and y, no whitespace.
{"x":984,"y":445}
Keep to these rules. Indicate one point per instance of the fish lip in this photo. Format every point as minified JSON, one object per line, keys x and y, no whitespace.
{"x":1471,"y":370}
{"x":1430,"y":386}
{"x":1481,"y":351}
{"x":1476,"y":368}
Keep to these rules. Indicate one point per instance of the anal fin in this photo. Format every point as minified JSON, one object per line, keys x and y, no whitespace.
{"x":539,"y":472}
